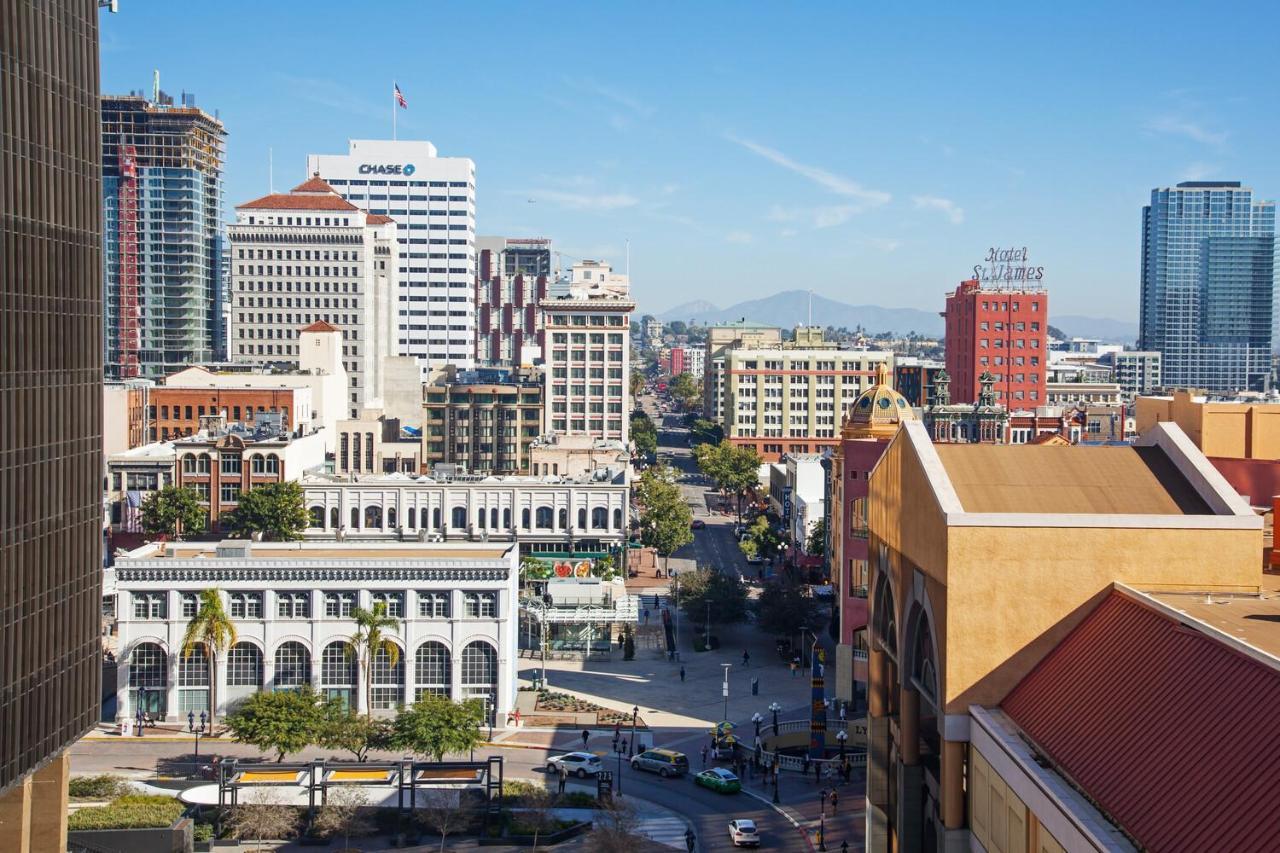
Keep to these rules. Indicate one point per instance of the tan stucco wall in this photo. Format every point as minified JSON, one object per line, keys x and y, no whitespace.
{"x":902,"y":512}
{"x":1232,"y":430}
{"x":1014,"y":593}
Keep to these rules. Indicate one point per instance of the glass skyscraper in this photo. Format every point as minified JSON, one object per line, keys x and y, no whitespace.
{"x":1208,"y":285}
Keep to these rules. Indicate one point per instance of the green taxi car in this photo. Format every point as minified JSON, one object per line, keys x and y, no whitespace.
{"x":718,"y":779}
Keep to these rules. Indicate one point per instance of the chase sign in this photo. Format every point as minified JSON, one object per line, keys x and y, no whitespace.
{"x":387,"y":169}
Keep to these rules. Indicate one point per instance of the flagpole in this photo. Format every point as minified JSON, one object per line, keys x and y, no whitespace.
{"x":393,"y":111}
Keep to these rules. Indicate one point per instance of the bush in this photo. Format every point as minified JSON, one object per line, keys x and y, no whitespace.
{"x":104,"y":787}
{"x":576,"y":800}
{"x":202,"y":832}
{"x":515,"y":790}
{"x":134,"y":811}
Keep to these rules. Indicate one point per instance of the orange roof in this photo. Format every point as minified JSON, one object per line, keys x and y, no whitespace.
{"x":378,"y":219}
{"x":321,"y":326}
{"x":291,"y":201}
{"x":313,"y":184}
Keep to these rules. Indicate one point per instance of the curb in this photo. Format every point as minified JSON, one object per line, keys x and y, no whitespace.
{"x":782,"y":810}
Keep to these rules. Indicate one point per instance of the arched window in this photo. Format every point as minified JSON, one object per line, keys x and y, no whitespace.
{"x":355,"y":518}
{"x":524,"y":518}
{"x":193,"y":682}
{"x":599,"y":518}
{"x":391,"y":518}
{"x":272,"y":463}
{"x":582,"y":518}
{"x":388,"y":680}
{"x":433,"y":671}
{"x":435,"y":518}
{"x":333,"y":518}
{"x":373,"y":517}
{"x":338,"y":672}
{"x":506,"y":519}
{"x":543,"y":519}
{"x":413,"y":518}
{"x":317,"y":516}
{"x":479,"y":670}
{"x":564,"y":519}
{"x":886,"y":620}
{"x":617,"y":519}
{"x":293,"y":666}
{"x":924,"y":669}
{"x":244,"y":672}
{"x":148,"y":678}
{"x":480,"y":519}
{"x":493,"y":517}
{"x":459,"y":518}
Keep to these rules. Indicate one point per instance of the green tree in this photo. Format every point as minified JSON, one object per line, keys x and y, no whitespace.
{"x":665,"y":518}
{"x":817,"y":542}
{"x":761,"y":540}
{"x":783,"y":607}
{"x":276,"y":510}
{"x":735,"y":470}
{"x":173,"y":511}
{"x":678,"y":327}
{"x":726,"y":594}
{"x":339,"y":728}
{"x":281,"y":721}
{"x":644,"y":434}
{"x":685,"y":391}
{"x":637,"y":383}
{"x":436,"y":726}
{"x":372,"y":636}
{"x":704,"y":431}
{"x":212,"y":632}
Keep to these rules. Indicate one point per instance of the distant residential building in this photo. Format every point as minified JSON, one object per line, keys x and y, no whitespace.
{"x":1002,"y":331}
{"x":482,"y":421}
{"x":162,"y":234}
{"x":337,"y":269}
{"x":1137,"y":372}
{"x":720,"y":340}
{"x":804,"y":495}
{"x":432,"y":200}
{"x":512,"y":280}
{"x":1208,"y":285}
{"x":175,"y":411}
{"x":695,"y":363}
{"x":652,"y":331}
{"x":913,"y":377}
{"x":574,"y":455}
{"x":1093,"y":393}
{"x":588,"y":355}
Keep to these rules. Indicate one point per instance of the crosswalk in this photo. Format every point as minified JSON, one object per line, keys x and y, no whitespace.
{"x":667,"y":831}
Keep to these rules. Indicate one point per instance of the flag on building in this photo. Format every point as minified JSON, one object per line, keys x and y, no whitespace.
{"x":399,"y":97}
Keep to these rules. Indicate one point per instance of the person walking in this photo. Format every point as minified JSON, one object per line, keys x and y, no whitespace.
{"x":646,"y":616}
{"x":564,"y":777}
{"x":817,"y":773}
{"x":832,"y":796}
{"x":704,"y":758}
{"x":682,"y":673}
{"x":746,"y":658}
{"x":586,"y":736}
{"x":842,"y":711}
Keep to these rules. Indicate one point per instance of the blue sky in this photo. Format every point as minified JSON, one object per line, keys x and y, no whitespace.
{"x":744,"y":148}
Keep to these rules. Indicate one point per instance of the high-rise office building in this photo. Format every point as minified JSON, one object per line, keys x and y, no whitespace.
{"x":162,"y":239}
{"x":433,"y":202}
{"x":50,"y":409}
{"x":1208,"y":283}
{"x":999,"y":330}
{"x":309,"y":257}
{"x":512,"y":282}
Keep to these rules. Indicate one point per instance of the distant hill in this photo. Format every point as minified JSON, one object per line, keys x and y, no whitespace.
{"x":1105,"y":329}
{"x":791,"y":308}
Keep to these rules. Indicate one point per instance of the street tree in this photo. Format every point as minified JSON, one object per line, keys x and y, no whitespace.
{"x":685,"y":391}
{"x":446,"y":812}
{"x":275,"y":510}
{"x":718,"y":595}
{"x":173,"y":511}
{"x":784,"y":606}
{"x":212,"y":632}
{"x":345,"y":813}
{"x":371,"y":637}
{"x":279,"y":721}
{"x":341,"y":728}
{"x":644,"y":434}
{"x":665,"y":519}
{"x":614,"y":828}
{"x":636,"y":383}
{"x":817,"y":542}
{"x":255,"y":818}
{"x":735,"y":470}
{"x":435,"y":726}
{"x":761,"y":540}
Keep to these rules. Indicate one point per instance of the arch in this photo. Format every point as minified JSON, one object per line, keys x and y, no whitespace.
{"x":543,"y":517}
{"x":292,"y":666}
{"x":524,"y":518}
{"x":506,"y":518}
{"x":481,"y":519}
{"x":338,"y":676}
{"x":923,"y":655}
{"x":479,"y":670}
{"x":148,"y":678}
{"x":617,"y":519}
{"x":600,"y":518}
{"x":884,"y":623}
{"x":355,"y":518}
{"x":391,"y":518}
{"x":582,"y":518}
{"x":193,"y":681}
{"x":413,"y":518}
{"x":388,"y":679}
{"x":317,"y":516}
{"x":459,"y":518}
{"x":333,"y":518}
{"x":563,"y":519}
{"x":433,"y":670}
{"x":373,"y":516}
{"x":244,"y":673}
{"x":493,"y":517}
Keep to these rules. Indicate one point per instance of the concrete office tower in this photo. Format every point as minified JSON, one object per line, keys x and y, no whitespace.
{"x":310,"y":260}
{"x":511,"y":283}
{"x":50,"y":409}
{"x":588,"y":356}
{"x":1208,"y":284}
{"x":433,"y":202}
{"x":162,"y":238}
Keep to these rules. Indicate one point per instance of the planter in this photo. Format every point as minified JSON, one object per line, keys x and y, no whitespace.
{"x":548,"y":838}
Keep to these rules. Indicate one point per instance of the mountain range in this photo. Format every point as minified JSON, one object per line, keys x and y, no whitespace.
{"x":794,"y":308}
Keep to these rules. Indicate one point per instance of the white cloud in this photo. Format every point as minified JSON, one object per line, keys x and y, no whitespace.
{"x":1177,"y":126}
{"x":622,"y":99}
{"x":740,"y":237}
{"x":830,"y":181}
{"x":788,"y":232}
{"x":826,"y":216}
{"x":883,"y":244}
{"x":946,"y":205}
{"x":1199,"y":171}
{"x":584,"y":201}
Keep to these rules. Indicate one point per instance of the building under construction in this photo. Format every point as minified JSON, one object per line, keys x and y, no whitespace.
{"x":162,"y":245}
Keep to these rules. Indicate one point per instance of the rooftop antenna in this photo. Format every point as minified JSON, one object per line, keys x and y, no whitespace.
{"x":155,"y":86}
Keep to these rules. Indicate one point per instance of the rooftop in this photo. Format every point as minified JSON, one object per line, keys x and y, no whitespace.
{"x":1251,"y":619}
{"x":307,"y":552}
{"x":298,"y":201}
{"x":601,"y":475}
{"x":1068,"y":480}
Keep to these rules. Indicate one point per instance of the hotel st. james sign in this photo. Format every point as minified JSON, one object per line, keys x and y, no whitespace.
{"x":1007,"y":266}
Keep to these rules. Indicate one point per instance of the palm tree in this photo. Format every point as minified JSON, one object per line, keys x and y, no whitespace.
{"x":212,"y":629}
{"x":369,"y":638}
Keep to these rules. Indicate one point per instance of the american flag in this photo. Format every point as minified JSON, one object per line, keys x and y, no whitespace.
{"x":399,"y":97}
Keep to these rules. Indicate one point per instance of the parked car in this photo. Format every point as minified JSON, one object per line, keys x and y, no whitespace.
{"x":580,"y":764}
{"x":718,"y":779}
{"x":743,"y":833}
{"x":664,"y":762}
{"x":697,"y":524}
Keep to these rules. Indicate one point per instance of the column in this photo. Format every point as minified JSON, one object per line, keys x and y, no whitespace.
{"x":220,"y":682}
{"x":171,"y":685}
{"x":953,"y":784}
{"x":877,"y":831}
{"x":49,"y":802}
{"x":124,"y":707}
{"x":15,"y":818}
{"x":909,"y":820}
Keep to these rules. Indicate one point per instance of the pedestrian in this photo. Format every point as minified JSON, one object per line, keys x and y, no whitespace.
{"x":804,"y":764}
{"x":646,"y":616}
{"x":586,"y":736}
{"x":704,"y":758}
{"x":681,"y":673}
{"x":842,"y":711}
{"x":817,"y":772}
{"x":746,"y":658}
{"x":822,"y":798}
{"x":833,"y":801}
{"x":655,"y":599}
{"x":517,"y":716}
{"x":844,"y":847}
{"x":564,"y":777}
{"x":624,"y":745}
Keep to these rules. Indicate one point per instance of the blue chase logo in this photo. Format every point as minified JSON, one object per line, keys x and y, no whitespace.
{"x":409,"y":169}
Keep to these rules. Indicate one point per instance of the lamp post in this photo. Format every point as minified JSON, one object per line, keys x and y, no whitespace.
{"x":822,"y":832}
{"x":757,"y":718}
{"x":841,"y":736}
{"x":617,"y":748}
{"x":708,"y":624}
{"x":775,"y":778}
{"x":196,"y":731}
{"x":675,"y":576}
{"x":724,"y":688}
{"x":631,"y":747}
{"x":775,"y":708}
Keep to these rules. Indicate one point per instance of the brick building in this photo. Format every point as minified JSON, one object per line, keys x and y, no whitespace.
{"x":176,"y":411}
{"x":1003,"y":331}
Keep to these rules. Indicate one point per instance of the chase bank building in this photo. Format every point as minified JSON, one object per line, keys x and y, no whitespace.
{"x":433,"y":202}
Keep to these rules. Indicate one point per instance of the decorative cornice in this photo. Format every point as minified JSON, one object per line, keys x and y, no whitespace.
{"x":126,"y":573}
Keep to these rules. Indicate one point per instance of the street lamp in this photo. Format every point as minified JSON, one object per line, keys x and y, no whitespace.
{"x":631,"y":748}
{"x":196,"y":731}
{"x":617,"y":748}
{"x":775,"y":708}
{"x":675,"y":576}
{"x":841,"y":736}
{"x":757,"y":718}
{"x":725,"y":690}
{"x":775,"y":777}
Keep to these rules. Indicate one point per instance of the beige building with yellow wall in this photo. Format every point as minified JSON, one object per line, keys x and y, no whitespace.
{"x":982,"y":559}
{"x":1237,"y":430}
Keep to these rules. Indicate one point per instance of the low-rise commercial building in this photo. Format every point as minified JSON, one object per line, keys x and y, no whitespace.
{"x":292,"y":604}
{"x":174,"y":411}
{"x":482,"y":421}
{"x":1090,"y":393}
{"x":132,"y":475}
{"x":575,"y":455}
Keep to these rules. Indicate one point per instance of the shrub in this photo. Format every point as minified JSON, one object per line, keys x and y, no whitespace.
{"x":134,"y":811}
{"x":202,"y":832}
{"x":104,"y":787}
{"x":576,"y":800}
{"x":516,"y":790}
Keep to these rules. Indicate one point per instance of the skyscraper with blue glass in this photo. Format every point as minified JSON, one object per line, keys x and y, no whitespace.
{"x":1208,"y":284}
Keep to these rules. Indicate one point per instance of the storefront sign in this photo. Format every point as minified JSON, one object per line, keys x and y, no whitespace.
{"x":1007,"y":265}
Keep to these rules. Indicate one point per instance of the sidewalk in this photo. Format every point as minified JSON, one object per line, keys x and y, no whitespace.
{"x":800,"y":802}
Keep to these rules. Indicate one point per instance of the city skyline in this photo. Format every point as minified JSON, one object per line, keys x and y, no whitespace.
{"x":688,"y":145}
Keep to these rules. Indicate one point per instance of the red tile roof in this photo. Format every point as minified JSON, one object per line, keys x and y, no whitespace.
{"x":313,"y":184}
{"x":378,"y":219}
{"x":1168,"y":730}
{"x":292,"y":201}
{"x":321,"y":326}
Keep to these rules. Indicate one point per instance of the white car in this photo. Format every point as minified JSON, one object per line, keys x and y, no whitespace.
{"x":580,"y":764}
{"x":743,"y":833}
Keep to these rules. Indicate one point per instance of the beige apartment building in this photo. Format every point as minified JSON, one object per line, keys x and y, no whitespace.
{"x":721,"y":339}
